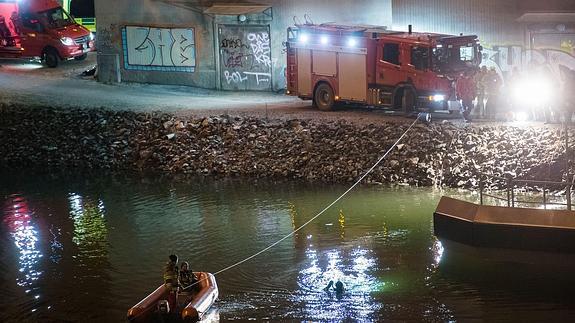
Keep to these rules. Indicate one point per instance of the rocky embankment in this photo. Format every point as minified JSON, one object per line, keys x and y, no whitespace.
{"x":438,"y":154}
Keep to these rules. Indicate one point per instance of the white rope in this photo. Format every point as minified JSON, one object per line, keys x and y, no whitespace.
{"x":325,"y":209}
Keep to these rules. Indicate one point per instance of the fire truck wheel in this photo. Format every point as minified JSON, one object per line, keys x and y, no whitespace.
{"x":408,"y":102}
{"x":51,"y":57}
{"x":324,"y":98}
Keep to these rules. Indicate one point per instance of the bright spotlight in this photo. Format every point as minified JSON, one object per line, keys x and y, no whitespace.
{"x":521,"y":116}
{"x":532,"y":92}
{"x":324,"y":40}
{"x":303,"y":38}
{"x":352,"y":42}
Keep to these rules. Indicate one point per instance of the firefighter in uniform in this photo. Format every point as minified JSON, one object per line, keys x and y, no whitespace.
{"x":480,"y":82}
{"x":188,"y":279}
{"x":493,"y":84}
{"x":466,"y":90}
{"x":171,"y":280}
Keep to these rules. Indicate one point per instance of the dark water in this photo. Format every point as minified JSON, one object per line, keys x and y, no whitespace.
{"x":77,"y":249}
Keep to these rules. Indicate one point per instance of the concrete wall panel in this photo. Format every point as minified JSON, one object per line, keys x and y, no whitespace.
{"x":494,"y":21}
{"x":245,"y":56}
{"x":113,"y":16}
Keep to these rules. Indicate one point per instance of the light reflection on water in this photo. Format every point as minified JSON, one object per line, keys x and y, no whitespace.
{"x":106,"y":242}
{"x":25,"y":235}
{"x":354,"y":268}
{"x":22,"y":229}
{"x":89,"y":222}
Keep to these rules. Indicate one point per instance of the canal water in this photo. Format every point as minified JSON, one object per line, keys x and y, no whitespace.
{"x":88,"y":248}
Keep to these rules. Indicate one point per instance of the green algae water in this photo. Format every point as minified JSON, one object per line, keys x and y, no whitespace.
{"x":88,"y":248}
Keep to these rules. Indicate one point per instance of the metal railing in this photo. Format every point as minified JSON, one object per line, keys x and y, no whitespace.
{"x":514,"y":184}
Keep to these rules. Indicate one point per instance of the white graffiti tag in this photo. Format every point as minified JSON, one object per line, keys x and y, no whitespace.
{"x":260,"y":77}
{"x":505,"y":58}
{"x":235,"y":77}
{"x":260,"y":45}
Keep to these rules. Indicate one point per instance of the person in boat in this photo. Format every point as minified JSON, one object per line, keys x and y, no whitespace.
{"x":171,"y":279}
{"x":188,"y":279}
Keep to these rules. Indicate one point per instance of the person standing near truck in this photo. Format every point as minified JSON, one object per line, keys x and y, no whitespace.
{"x":466,"y":91}
{"x":493,"y":85}
{"x":480,"y":79}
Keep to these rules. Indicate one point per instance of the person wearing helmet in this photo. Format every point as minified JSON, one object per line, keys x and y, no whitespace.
{"x":187,"y":277}
{"x":466,"y":91}
{"x":480,"y":82}
{"x":493,"y":88}
{"x":171,"y":279}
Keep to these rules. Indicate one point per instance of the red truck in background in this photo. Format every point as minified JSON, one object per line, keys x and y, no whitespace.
{"x":372,"y":66}
{"x":41,"y":29}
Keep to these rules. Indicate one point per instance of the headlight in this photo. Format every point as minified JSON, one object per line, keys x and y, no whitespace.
{"x":92,"y":36}
{"x":437,"y":98}
{"x":67,"y":41}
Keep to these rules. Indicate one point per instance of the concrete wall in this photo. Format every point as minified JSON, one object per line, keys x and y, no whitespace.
{"x":492,"y":20}
{"x":210,"y":70}
{"x":114,"y":15}
{"x":553,"y":5}
{"x":508,"y":44}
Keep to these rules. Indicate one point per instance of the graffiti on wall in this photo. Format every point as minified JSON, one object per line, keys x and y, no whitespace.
{"x":506,"y":58}
{"x":260,"y":45}
{"x":159,"y":49}
{"x":245,"y":55}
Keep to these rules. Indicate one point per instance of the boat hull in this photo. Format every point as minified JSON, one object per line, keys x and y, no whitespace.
{"x":196,"y":303}
{"x":505,"y":228}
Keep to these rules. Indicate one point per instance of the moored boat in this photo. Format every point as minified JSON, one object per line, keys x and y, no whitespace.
{"x":505,"y":227}
{"x":192,"y":305}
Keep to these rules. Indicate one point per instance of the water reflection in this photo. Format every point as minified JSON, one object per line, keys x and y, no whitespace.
{"x":341,"y":221}
{"x":437,"y":251}
{"x":354,"y":267}
{"x":89,"y":222}
{"x":23,"y":230}
{"x":104,"y":245}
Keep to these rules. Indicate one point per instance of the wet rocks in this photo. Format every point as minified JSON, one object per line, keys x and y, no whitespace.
{"x":441,"y":154}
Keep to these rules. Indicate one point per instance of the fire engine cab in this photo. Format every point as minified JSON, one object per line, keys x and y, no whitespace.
{"x":41,"y":29}
{"x":372,"y":66}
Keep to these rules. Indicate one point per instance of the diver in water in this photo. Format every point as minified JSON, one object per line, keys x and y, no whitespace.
{"x":339,"y":288}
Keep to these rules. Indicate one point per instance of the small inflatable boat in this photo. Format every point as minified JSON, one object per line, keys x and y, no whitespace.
{"x":191,"y":305}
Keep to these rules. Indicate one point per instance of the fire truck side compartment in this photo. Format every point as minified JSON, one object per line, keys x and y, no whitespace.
{"x":324,"y":63}
{"x":352,"y":77}
{"x":304,"y":85}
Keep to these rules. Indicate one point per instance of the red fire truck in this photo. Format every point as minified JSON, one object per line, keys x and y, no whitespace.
{"x":41,"y":29}
{"x":372,"y":66}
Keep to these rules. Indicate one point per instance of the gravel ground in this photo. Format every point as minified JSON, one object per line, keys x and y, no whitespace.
{"x":33,"y":84}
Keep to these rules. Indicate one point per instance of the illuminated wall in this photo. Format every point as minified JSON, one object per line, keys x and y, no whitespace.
{"x":495,"y":22}
{"x":492,"y":20}
{"x":258,"y":63}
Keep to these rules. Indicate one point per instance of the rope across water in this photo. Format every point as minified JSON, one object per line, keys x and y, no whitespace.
{"x":326,"y":208}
